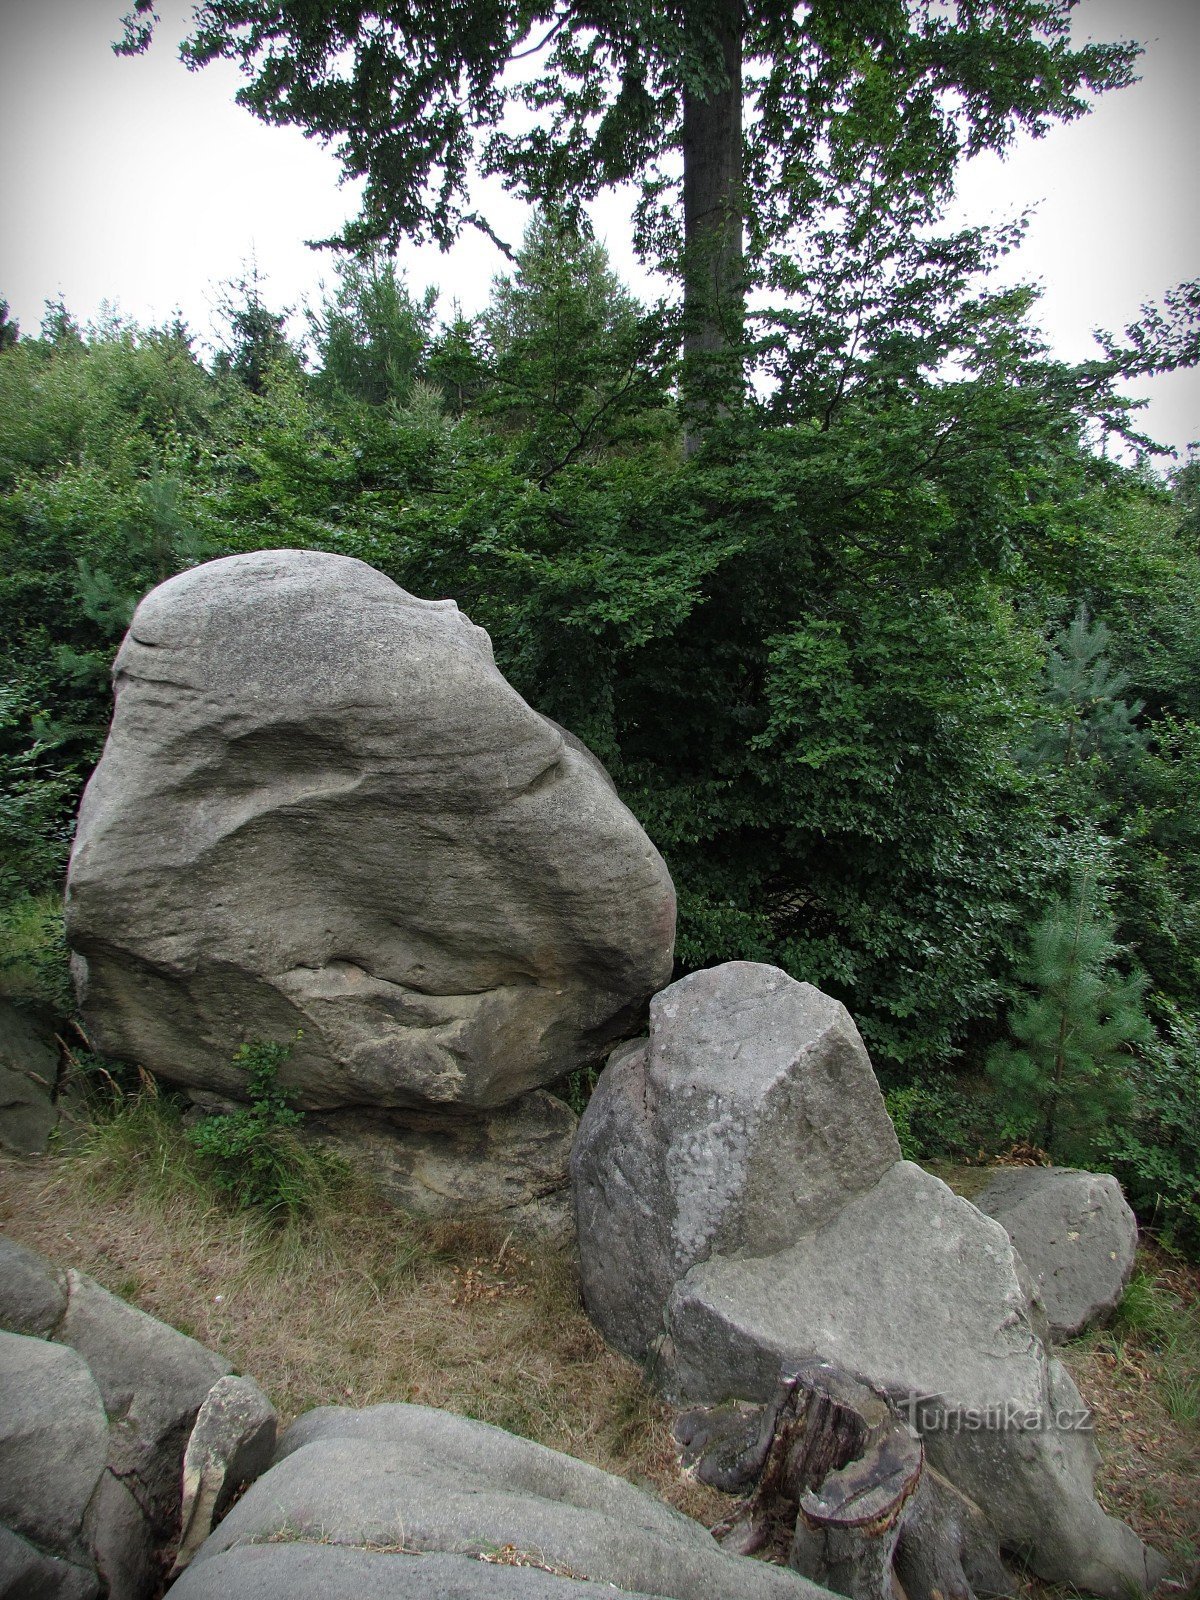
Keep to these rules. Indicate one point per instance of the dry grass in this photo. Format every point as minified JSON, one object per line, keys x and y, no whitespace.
{"x":356,"y":1306}
{"x":1141,"y":1379}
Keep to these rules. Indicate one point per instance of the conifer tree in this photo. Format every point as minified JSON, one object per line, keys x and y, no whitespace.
{"x":1085,"y":712}
{"x":1067,"y":1069}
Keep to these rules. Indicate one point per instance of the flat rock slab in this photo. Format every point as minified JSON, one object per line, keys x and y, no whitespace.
{"x":411,"y":1479}
{"x":750,"y":1115}
{"x":1076,"y":1235}
{"x":322,"y":808}
{"x":911,"y":1288}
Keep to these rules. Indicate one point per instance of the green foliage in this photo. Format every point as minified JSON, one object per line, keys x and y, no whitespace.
{"x":573,"y":361}
{"x":1069,"y":1069}
{"x":34,"y":961}
{"x":370,"y":336}
{"x":253,"y":1156}
{"x":1156,"y":1151}
{"x":1084,"y":713}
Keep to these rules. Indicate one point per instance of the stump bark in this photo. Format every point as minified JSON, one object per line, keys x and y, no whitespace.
{"x":838,"y":1488}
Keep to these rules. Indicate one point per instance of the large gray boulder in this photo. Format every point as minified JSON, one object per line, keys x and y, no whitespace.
{"x":447,"y":1506}
{"x":322,"y":808}
{"x":1075,"y":1233}
{"x":753,"y":1089}
{"x":749,"y":1115}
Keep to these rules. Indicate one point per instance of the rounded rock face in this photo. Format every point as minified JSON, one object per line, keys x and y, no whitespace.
{"x":322,"y":808}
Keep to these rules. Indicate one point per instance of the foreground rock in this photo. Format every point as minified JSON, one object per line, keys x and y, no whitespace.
{"x":402,"y":1500}
{"x":322,"y":808}
{"x":874,"y":1265}
{"x":97,"y":1406}
{"x":1075,"y":1233}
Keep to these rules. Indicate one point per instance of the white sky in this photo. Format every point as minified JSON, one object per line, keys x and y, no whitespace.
{"x":136,"y":182}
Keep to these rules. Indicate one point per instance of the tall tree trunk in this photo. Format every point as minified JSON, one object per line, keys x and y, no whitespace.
{"x":713,"y":268}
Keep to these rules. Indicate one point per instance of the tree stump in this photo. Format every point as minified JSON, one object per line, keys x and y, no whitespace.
{"x":836,"y":1470}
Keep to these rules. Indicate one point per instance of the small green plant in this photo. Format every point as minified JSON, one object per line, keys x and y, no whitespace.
{"x":253,"y":1156}
{"x":901,"y":1103}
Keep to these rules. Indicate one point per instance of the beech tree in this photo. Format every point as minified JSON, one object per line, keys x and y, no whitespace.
{"x":753,"y":113}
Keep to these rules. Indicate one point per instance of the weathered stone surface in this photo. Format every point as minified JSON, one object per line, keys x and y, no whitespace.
{"x":322,"y":807}
{"x":913,"y":1289}
{"x":231,"y":1444}
{"x":28,"y":1075}
{"x":1075,"y":1233}
{"x":121,"y":1541}
{"x":153,"y":1380}
{"x":750,"y":1115}
{"x":27,"y":1573}
{"x":53,"y":1440}
{"x":33,"y":1294}
{"x":439,"y":1166}
{"x":303,"y":1571}
{"x":407,"y":1477}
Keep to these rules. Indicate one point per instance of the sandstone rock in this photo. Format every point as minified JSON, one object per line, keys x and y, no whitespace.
{"x":400,"y":1478}
{"x":321,"y":807}
{"x":28,"y":1076}
{"x":1075,"y":1233}
{"x":282,"y":1571}
{"x":913,"y":1289}
{"x":53,"y":1442}
{"x":440,"y":1166}
{"x":742,"y":1211}
{"x":750,"y":1115}
{"x":97,"y":1402}
{"x":232,"y":1444}
{"x":153,"y":1380}
{"x":27,"y":1573}
{"x":33,"y":1294}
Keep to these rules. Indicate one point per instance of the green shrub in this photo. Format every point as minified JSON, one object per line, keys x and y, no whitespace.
{"x":254,"y":1156}
{"x":1156,"y":1151}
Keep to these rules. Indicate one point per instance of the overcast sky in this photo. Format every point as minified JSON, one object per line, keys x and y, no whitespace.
{"x":137,"y":182}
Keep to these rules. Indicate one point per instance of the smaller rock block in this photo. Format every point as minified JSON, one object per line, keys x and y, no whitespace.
{"x":458,"y":1166}
{"x":749,"y":1116}
{"x":1076,"y":1235}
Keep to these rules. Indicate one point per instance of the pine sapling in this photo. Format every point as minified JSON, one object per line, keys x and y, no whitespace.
{"x":1066,"y":1070}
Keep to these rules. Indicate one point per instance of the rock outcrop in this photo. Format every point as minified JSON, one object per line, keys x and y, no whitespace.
{"x":322,"y":815}
{"x":1076,"y":1235}
{"x":97,"y":1405}
{"x":749,"y":1116}
{"x":742,"y":1208}
{"x":403,"y":1500}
